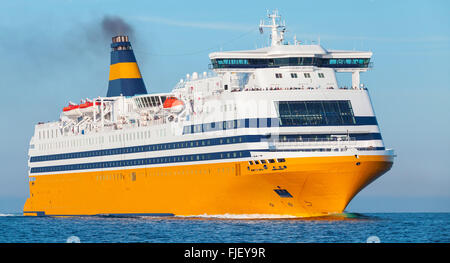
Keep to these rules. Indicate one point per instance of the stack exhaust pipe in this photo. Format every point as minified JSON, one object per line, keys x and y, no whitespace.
{"x":124,"y":75}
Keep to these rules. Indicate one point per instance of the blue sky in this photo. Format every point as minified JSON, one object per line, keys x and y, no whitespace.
{"x":53,"y":52}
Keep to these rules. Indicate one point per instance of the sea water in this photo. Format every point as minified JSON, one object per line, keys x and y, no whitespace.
{"x":347,"y":227}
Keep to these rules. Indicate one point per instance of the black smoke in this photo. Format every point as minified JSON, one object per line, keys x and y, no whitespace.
{"x":114,"y":26}
{"x":39,"y":54}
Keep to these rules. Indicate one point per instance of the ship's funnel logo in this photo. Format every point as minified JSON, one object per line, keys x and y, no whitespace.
{"x":124,"y":75}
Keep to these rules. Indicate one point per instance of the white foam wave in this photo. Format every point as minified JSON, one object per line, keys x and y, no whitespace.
{"x":241,"y":216}
{"x":7,"y":214}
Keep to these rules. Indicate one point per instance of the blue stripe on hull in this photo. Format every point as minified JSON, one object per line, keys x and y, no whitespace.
{"x":184,"y":145}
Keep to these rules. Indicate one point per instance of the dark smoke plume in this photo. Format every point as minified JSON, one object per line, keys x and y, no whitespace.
{"x":114,"y":25}
{"x":80,"y":45}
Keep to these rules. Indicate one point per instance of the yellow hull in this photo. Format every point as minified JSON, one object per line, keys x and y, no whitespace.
{"x":316,"y":185}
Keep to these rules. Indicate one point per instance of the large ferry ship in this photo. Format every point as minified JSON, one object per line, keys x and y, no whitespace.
{"x":266,"y":132}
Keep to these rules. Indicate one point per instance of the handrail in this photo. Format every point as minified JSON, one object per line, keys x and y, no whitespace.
{"x":332,"y":139}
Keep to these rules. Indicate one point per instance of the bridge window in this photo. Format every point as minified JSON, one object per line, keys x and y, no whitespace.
{"x":345,"y":62}
{"x":292,"y":61}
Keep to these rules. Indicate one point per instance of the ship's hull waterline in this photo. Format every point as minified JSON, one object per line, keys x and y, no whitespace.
{"x":300,"y":187}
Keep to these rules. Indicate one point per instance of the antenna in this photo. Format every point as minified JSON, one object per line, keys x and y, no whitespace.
{"x":277,"y":27}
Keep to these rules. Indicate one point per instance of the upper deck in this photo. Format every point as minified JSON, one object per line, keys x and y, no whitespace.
{"x":293,"y":56}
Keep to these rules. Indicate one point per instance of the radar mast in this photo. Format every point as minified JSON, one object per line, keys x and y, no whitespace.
{"x":278,"y":28}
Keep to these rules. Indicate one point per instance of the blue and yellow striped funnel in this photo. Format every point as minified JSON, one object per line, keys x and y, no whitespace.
{"x":124,"y":75}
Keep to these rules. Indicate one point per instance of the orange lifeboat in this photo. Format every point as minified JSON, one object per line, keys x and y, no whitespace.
{"x":173,"y":104}
{"x":87,"y":106}
{"x":70,"y":107}
{"x":72,"y":110}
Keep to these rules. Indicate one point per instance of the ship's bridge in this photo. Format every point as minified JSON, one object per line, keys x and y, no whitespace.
{"x":291,"y":55}
{"x":297,"y":56}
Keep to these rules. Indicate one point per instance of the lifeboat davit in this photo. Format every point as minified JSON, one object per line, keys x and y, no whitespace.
{"x":72,"y":110}
{"x":173,"y":105}
{"x":88,"y":107}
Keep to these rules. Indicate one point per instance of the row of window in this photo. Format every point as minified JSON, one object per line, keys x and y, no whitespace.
{"x":48,"y":134}
{"x":329,"y":137}
{"x":77,"y":141}
{"x":144,"y":161}
{"x":147,"y":148}
{"x":274,"y":122}
{"x":73,"y":142}
{"x":334,"y":149}
{"x":231,"y":124}
{"x":233,"y":61}
{"x":293,"y":61}
{"x":346,"y":61}
{"x":295,"y":75}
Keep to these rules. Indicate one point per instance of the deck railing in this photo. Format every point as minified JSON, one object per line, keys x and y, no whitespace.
{"x":298,"y":143}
